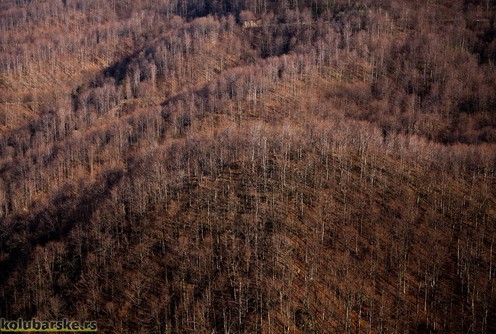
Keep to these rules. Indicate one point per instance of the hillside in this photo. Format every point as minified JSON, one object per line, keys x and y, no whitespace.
{"x":261,"y":166}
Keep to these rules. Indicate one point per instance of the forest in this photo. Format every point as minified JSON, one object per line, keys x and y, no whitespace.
{"x":249,"y":166}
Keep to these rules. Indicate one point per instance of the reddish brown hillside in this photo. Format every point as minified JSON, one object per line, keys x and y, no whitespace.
{"x":329,"y":168}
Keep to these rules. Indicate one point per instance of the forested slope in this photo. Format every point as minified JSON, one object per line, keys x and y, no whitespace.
{"x":249,"y":166}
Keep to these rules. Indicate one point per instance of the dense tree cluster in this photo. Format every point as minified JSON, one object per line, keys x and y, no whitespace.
{"x":328,"y":167}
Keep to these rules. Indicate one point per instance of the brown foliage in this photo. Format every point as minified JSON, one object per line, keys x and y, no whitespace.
{"x":331,"y":169}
